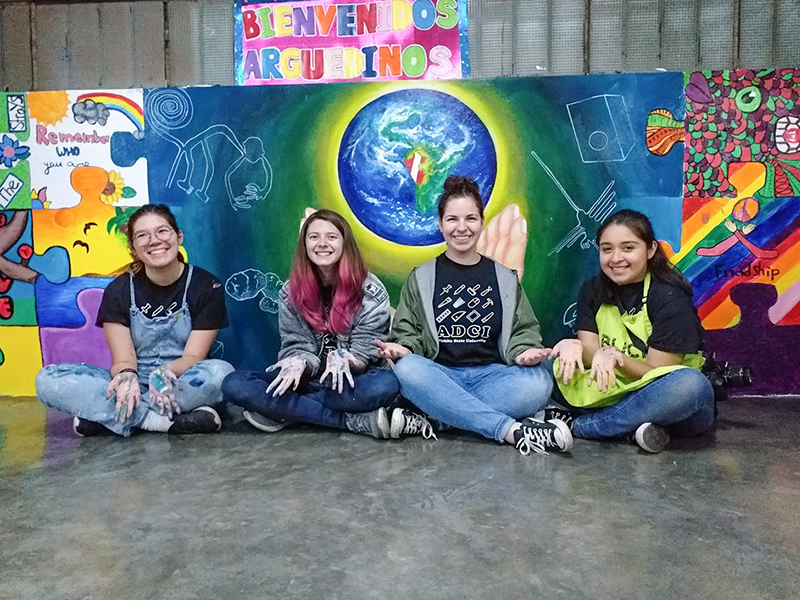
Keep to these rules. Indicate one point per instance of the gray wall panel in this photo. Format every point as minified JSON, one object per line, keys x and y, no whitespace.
{"x":16,"y":61}
{"x":50,"y":56}
{"x":606,"y":40}
{"x":679,"y":42}
{"x":147,"y":32}
{"x":115,"y":44}
{"x":86,"y":67}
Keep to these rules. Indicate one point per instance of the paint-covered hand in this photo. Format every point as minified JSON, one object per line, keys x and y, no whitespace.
{"x":570,"y":356}
{"x":532,"y":356}
{"x":292,"y":369}
{"x":505,"y":239}
{"x":604,"y":363}
{"x":391,"y":350}
{"x":162,"y":391}
{"x":127,"y":395}
{"x":338,"y":367}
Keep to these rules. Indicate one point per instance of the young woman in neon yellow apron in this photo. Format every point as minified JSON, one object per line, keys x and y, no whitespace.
{"x":636,"y":384}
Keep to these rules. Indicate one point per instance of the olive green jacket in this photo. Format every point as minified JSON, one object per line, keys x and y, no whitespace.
{"x":414,"y":326}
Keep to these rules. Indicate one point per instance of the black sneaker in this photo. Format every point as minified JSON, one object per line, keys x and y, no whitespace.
{"x":651,"y":438}
{"x":554,"y":412}
{"x":375,"y":423}
{"x":203,"y":419}
{"x":541,"y":437}
{"x":85,"y":428}
{"x":407,"y":422}
{"x":263,"y":423}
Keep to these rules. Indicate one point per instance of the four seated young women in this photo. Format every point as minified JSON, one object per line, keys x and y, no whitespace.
{"x":466,"y":344}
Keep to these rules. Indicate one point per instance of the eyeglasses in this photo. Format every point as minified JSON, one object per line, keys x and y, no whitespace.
{"x":162,"y":233}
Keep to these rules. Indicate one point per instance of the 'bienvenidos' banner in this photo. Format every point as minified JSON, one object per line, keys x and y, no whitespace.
{"x":341,"y":40}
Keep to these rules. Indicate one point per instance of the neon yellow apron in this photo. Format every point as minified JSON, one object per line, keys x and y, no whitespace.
{"x":613,"y":330}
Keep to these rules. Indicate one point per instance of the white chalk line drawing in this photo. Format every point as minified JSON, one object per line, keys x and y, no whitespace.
{"x":217,"y":350}
{"x":250,"y":283}
{"x":170,"y":109}
{"x":598,"y":140}
{"x":571,"y":316}
{"x":599,"y":211}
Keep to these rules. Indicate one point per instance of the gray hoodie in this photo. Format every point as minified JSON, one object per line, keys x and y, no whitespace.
{"x":370,"y":323}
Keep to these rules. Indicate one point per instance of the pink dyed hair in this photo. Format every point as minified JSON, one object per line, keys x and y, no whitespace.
{"x":348,"y":290}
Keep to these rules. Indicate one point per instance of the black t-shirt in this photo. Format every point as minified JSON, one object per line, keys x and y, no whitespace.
{"x":676,"y":326}
{"x":466,"y":306}
{"x":329,"y":343}
{"x":205,"y":297}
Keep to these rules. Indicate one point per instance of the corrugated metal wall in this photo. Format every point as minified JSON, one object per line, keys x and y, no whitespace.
{"x":113,"y":44}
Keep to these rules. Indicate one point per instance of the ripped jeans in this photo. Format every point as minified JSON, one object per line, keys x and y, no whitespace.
{"x":80,"y":390}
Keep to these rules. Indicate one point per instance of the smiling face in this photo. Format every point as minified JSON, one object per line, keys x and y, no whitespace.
{"x":155,"y":242}
{"x":461,"y":226}
{"x":623,"y":255}
{"x":324,"y":245}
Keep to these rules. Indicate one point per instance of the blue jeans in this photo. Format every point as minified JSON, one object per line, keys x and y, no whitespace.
{"x":80,"y":390}
{"x":312,"y":402}
{"x":486,"y":399}
{"x":682,"y":400}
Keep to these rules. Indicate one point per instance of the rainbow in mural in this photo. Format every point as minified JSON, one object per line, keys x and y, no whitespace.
{"x":117,"y":102}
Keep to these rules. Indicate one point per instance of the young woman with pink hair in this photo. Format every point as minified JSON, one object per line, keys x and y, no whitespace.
{"x":332,"y":311}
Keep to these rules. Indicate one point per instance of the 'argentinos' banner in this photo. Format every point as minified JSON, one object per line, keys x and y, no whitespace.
{"x":340,"y":40}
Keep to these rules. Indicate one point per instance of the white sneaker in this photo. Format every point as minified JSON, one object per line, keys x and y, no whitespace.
{"x":651,"y":437}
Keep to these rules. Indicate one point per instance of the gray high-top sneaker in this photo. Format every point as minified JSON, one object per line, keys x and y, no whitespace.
{"x":374,"y":423}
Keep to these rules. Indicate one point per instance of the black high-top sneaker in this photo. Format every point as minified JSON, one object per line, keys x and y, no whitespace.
{"x":407,"y":422}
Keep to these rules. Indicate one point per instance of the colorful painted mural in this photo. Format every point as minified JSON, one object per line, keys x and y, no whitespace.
{"x":240,"y":166}
{"x":740,"y":245}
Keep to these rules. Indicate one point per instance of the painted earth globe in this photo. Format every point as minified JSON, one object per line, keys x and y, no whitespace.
{"x":396,"y":154}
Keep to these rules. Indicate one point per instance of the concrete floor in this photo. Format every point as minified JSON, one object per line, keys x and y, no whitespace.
{"x":318,"y":514}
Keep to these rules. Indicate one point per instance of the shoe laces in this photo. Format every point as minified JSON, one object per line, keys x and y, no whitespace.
{"x":561,"y":415}
{"x":416,"y":423}
{"x":358,"y":422}
{"x":540,"y":436}
{"x":526,"y":445}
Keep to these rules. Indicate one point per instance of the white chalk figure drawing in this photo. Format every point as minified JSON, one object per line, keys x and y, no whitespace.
{"x":570,"y":318}
{"x":217,"y":350}
{"x":247,"y":284}
{"x":602,"y":128}
{"x":599,"y":211}
{"x":170,"y":109}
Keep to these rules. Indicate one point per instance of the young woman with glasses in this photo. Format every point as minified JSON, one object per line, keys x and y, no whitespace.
{"x":160,"y":319}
